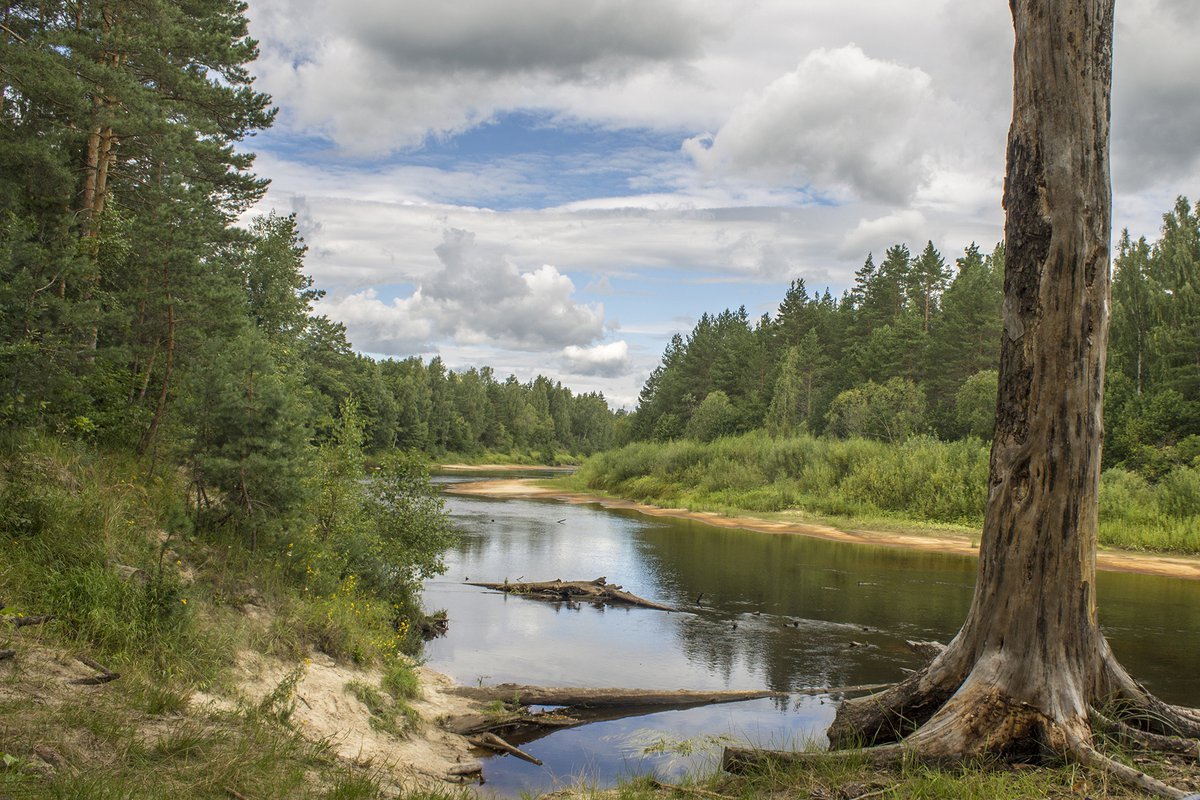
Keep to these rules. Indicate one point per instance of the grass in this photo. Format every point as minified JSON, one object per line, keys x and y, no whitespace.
{"x":920,"y":482}
{"x":109,"y":551}
{"x":845,"y":778}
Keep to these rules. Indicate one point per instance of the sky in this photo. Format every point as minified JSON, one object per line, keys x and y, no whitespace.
{"x":558,"y":186}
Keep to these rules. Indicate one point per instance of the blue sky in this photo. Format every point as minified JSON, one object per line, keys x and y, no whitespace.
{"x":556,"y":187}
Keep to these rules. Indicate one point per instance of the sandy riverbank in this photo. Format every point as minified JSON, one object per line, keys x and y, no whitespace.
{"x":1171,"y":566}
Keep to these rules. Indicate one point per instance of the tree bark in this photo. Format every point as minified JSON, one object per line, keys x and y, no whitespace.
{"x":1031,"y":635}
{"x":1030,"y":666}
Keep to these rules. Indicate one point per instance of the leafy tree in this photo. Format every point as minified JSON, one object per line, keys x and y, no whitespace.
{"x":412,"y":529}
{"x":891,"y":411}
{"x":975,"y":404}
{"x":714,"y":417}
{"x":793,"y":402}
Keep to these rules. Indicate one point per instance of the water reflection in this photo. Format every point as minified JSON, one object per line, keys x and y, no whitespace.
{"x":758,"y":611}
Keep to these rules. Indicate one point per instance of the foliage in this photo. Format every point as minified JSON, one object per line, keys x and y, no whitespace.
{"x":890,"y":412}
{"x":920,"y":480}
{"x":714,"y":417}
{"x":975,"y":404}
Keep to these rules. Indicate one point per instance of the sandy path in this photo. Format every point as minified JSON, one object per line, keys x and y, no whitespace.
{"x":1171,"y":566}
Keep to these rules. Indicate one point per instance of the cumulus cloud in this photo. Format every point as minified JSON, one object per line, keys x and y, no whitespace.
{"x":841,"y":121}
{"x":377,"y":76}
{"x":562,"y":39}
{"x":476,"y":296}
{"x":1156,"y":97}
{"x":876,"y":235}
{"x":605,"y":360}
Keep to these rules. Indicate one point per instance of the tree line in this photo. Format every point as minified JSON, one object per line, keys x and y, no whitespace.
{"x":913,"y":348}
{"x":133,"y":307}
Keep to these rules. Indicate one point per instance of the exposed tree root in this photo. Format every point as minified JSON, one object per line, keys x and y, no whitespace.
{"x":1130,"y":736}
{"x":1080,"y":750}
{"x":892,"y":714}
{"x":1140,"y":708}
{"x":928,"y":719}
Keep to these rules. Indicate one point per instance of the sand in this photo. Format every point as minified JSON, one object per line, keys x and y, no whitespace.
{"x":326,"y":711}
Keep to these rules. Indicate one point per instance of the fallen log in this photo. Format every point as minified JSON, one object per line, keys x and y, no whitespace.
{"x":490,"y":741}
{"x":604,"y":698}
{"x":597,"y":591}
{"x":519,"y":726}
{"x":473,"y":724}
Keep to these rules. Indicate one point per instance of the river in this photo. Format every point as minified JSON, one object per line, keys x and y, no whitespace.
{"x":759,"y":611}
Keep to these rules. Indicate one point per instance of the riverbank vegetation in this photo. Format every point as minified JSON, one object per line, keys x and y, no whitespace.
{"x":858,"y":481}
{"x":879,"y":404}
{"x":184,"y":442}
{"x":912,"y":350}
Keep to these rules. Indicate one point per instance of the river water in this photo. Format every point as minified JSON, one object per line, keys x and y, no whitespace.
{"x":758,"y":611}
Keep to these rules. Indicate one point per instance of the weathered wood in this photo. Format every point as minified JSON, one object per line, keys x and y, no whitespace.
{"x":106,"y":675}
{"x":472,"y":724}
{"x":604,"y":698}
{"x":490,"y":741}
{"x":595,"y":591}
{"x":927,"y":650}
{"x":855,"y":689}
{"x":465,"y":769}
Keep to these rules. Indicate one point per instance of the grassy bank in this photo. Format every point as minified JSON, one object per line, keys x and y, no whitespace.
{"x":921,"y":481}
{"x":849,"y":778}
{"x":109,"y":557}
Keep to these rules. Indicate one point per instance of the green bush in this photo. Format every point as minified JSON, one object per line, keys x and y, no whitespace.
{"x":919,"y":479}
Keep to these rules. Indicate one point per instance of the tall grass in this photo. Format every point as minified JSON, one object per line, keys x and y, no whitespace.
{"x":920,"y":480}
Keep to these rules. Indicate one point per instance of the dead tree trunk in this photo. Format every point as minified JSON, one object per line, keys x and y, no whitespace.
{"x":1030,"y":666}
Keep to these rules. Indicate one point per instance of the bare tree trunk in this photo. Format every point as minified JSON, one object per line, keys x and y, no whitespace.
{"x":1031,"y":639}
{"x":1030,"y":666}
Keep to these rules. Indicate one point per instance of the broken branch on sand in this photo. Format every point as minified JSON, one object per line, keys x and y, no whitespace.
{"x":490,"y":741}
{"x":597,"y":591}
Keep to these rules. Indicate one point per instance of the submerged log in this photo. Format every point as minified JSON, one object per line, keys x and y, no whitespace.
{"x":604,"y":698}
{"x":597,"y":591}
{"x":520,"y":726}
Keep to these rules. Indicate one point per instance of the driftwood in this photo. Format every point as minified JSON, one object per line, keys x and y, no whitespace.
{"x":490,"y":741}
{"x":465,"y":769}
{"x":579,"y":707}
{"x":434,"y":627}
{"x":105,"y":675}
{"x":603,"y":698}
{"x":597,"y":591}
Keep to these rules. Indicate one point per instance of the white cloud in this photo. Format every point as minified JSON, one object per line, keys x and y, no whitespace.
{"x":378,"y":76}
{"x":476,"y":296}
{"x":606,"y":360}
{"x":876,"y":235}
{"x":904,"y":133}
{"x":840,"y":122}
